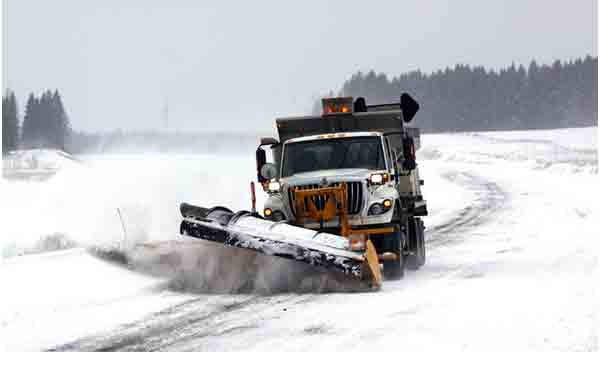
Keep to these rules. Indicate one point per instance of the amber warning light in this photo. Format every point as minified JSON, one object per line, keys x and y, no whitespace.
{"x":337,"y":105}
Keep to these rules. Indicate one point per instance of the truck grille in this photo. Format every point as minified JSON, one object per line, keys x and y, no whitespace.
{"x":355,"y":196}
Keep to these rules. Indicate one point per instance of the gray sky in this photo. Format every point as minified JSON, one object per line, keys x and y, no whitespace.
{"x":224,"y":65}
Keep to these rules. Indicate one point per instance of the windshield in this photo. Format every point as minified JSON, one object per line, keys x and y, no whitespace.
{"x":328,"y":154}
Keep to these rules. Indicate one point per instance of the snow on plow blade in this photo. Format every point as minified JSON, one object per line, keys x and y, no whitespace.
{"x":247,"y":230}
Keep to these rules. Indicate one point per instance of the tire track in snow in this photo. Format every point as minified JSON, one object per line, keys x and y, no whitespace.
{"x":489,"y":199}
{"x":185,"y":325}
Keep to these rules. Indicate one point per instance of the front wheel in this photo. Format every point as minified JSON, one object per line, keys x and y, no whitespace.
{"x":393,"y":242}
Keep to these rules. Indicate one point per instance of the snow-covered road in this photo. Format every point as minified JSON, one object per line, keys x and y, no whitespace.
{"x":510,"y":240}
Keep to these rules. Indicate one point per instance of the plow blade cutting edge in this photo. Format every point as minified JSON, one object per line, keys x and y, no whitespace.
{"x":250,"y":231}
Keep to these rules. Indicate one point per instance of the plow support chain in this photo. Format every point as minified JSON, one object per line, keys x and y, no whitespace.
{"x":250,"y":231}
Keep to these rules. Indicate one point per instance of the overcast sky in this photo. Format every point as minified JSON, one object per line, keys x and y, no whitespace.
{"x":222,"y":65}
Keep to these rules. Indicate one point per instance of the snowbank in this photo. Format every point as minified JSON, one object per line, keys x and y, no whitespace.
{"x":36,"y":164}
{"x":562,"y":151}
{"x":81,"y":204}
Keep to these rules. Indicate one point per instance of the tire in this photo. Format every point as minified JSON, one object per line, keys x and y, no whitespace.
{"x":416,"y":243}
{"x":393,"y":242}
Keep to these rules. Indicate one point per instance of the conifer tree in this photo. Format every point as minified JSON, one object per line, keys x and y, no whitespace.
{"x":10,"y":123}
{"x":31,"y":131}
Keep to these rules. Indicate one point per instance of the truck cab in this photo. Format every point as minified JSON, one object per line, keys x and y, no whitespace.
{"x":351,"y":171}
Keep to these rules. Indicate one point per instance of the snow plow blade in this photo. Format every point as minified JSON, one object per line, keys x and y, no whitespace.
{"x":250,"y":231}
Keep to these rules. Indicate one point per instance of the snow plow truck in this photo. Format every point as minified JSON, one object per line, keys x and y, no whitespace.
{"x":344,"y":193}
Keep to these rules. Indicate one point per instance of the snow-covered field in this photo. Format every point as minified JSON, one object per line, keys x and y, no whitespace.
{"x":511,"y":254}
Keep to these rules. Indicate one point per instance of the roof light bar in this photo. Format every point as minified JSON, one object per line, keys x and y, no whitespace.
{"x":340,"y":105}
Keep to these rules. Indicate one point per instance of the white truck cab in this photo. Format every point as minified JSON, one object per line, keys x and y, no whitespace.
{"x":366,"y":161}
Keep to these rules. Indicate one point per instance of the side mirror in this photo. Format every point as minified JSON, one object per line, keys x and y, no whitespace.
{"x":408,"y":150}
{"x":268,"y":171}
{"x":261,"y":160}
{"x":409,"y":107}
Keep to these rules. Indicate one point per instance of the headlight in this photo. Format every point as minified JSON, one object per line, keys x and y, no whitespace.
{"x":380,"y":208}
{"x":268,"y":212}
{"x":376,"y":209}
{"x":274,"y":186}
{"x":379,"y":178}
{"x":376,"y":179}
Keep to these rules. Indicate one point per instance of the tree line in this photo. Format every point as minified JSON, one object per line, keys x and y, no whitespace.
{"x":465,"y":98}
{"x":45,"y":122}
